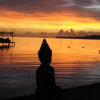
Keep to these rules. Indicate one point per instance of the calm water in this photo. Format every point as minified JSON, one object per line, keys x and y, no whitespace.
{"x":76,"y":62}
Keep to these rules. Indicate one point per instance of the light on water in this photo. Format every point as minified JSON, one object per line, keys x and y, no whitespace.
{"x":76,"y":62}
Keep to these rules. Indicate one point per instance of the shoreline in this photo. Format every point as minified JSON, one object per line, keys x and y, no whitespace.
{"x":87,"y":92}
{"x":78,"y":38}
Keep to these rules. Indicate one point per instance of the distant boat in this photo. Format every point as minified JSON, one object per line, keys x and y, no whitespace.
{"x":99,"y":51}
{"x":83,"y":47}
{"x":68,"y":46}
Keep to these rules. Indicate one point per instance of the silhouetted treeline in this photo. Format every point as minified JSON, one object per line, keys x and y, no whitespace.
{"x":82,"y":37}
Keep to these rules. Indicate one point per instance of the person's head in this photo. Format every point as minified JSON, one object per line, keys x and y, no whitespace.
{"x":45,"y":53}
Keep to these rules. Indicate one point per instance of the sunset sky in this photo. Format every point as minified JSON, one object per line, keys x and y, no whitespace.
{"x":50,"y":14}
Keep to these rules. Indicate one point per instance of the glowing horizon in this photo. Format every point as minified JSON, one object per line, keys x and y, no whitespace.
{"x":50,"y":15}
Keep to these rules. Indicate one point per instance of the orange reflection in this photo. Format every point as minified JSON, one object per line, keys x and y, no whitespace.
{"x":60,"y":47}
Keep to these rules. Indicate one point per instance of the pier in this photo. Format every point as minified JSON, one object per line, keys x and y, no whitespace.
{"x":6,"y":40}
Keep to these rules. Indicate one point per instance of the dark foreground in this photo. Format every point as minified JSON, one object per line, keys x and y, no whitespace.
{"x":89,"y":92}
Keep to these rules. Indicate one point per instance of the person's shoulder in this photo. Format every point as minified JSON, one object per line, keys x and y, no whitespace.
{"x":51,"y":68}
{"x":39,"y":68}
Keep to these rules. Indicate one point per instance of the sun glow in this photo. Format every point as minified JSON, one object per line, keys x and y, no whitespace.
{"x":54,"y":21}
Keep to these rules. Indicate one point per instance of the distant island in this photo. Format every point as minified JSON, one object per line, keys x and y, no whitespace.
{"x":72,"y":34}
{"x":68,"y":33}
{"x":81,"y":37}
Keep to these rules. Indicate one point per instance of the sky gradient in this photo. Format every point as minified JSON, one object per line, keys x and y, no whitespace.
{"x":50,"y":14}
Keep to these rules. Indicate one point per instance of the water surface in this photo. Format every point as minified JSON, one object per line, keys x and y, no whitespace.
{"x":76,"y":62}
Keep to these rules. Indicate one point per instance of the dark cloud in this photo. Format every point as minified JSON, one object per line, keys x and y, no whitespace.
{"x":83,"y":8}
{"x":83,"y":2}
{"x":86,"y":8}
{"x":31,"y":6}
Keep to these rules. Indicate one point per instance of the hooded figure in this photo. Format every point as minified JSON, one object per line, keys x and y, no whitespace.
{"x":45,"y":79}
{"x":45,"y":53}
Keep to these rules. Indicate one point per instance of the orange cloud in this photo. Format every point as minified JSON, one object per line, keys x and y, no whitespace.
{"x":57,"y":20}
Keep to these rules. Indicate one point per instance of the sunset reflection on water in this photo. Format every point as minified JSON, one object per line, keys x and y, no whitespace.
{"x":76,"y":62}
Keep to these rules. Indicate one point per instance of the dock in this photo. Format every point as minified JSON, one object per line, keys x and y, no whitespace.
{"x":6,"y":39}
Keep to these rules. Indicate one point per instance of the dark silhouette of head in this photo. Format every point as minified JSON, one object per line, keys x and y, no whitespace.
{"x":45,"y":53}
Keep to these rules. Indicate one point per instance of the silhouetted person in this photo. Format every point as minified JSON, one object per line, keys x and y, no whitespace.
{"x":45,"y":80}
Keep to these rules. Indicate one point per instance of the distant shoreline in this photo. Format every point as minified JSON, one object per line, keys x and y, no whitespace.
{"x":95,"y":37}
{"x":92,"y":37}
